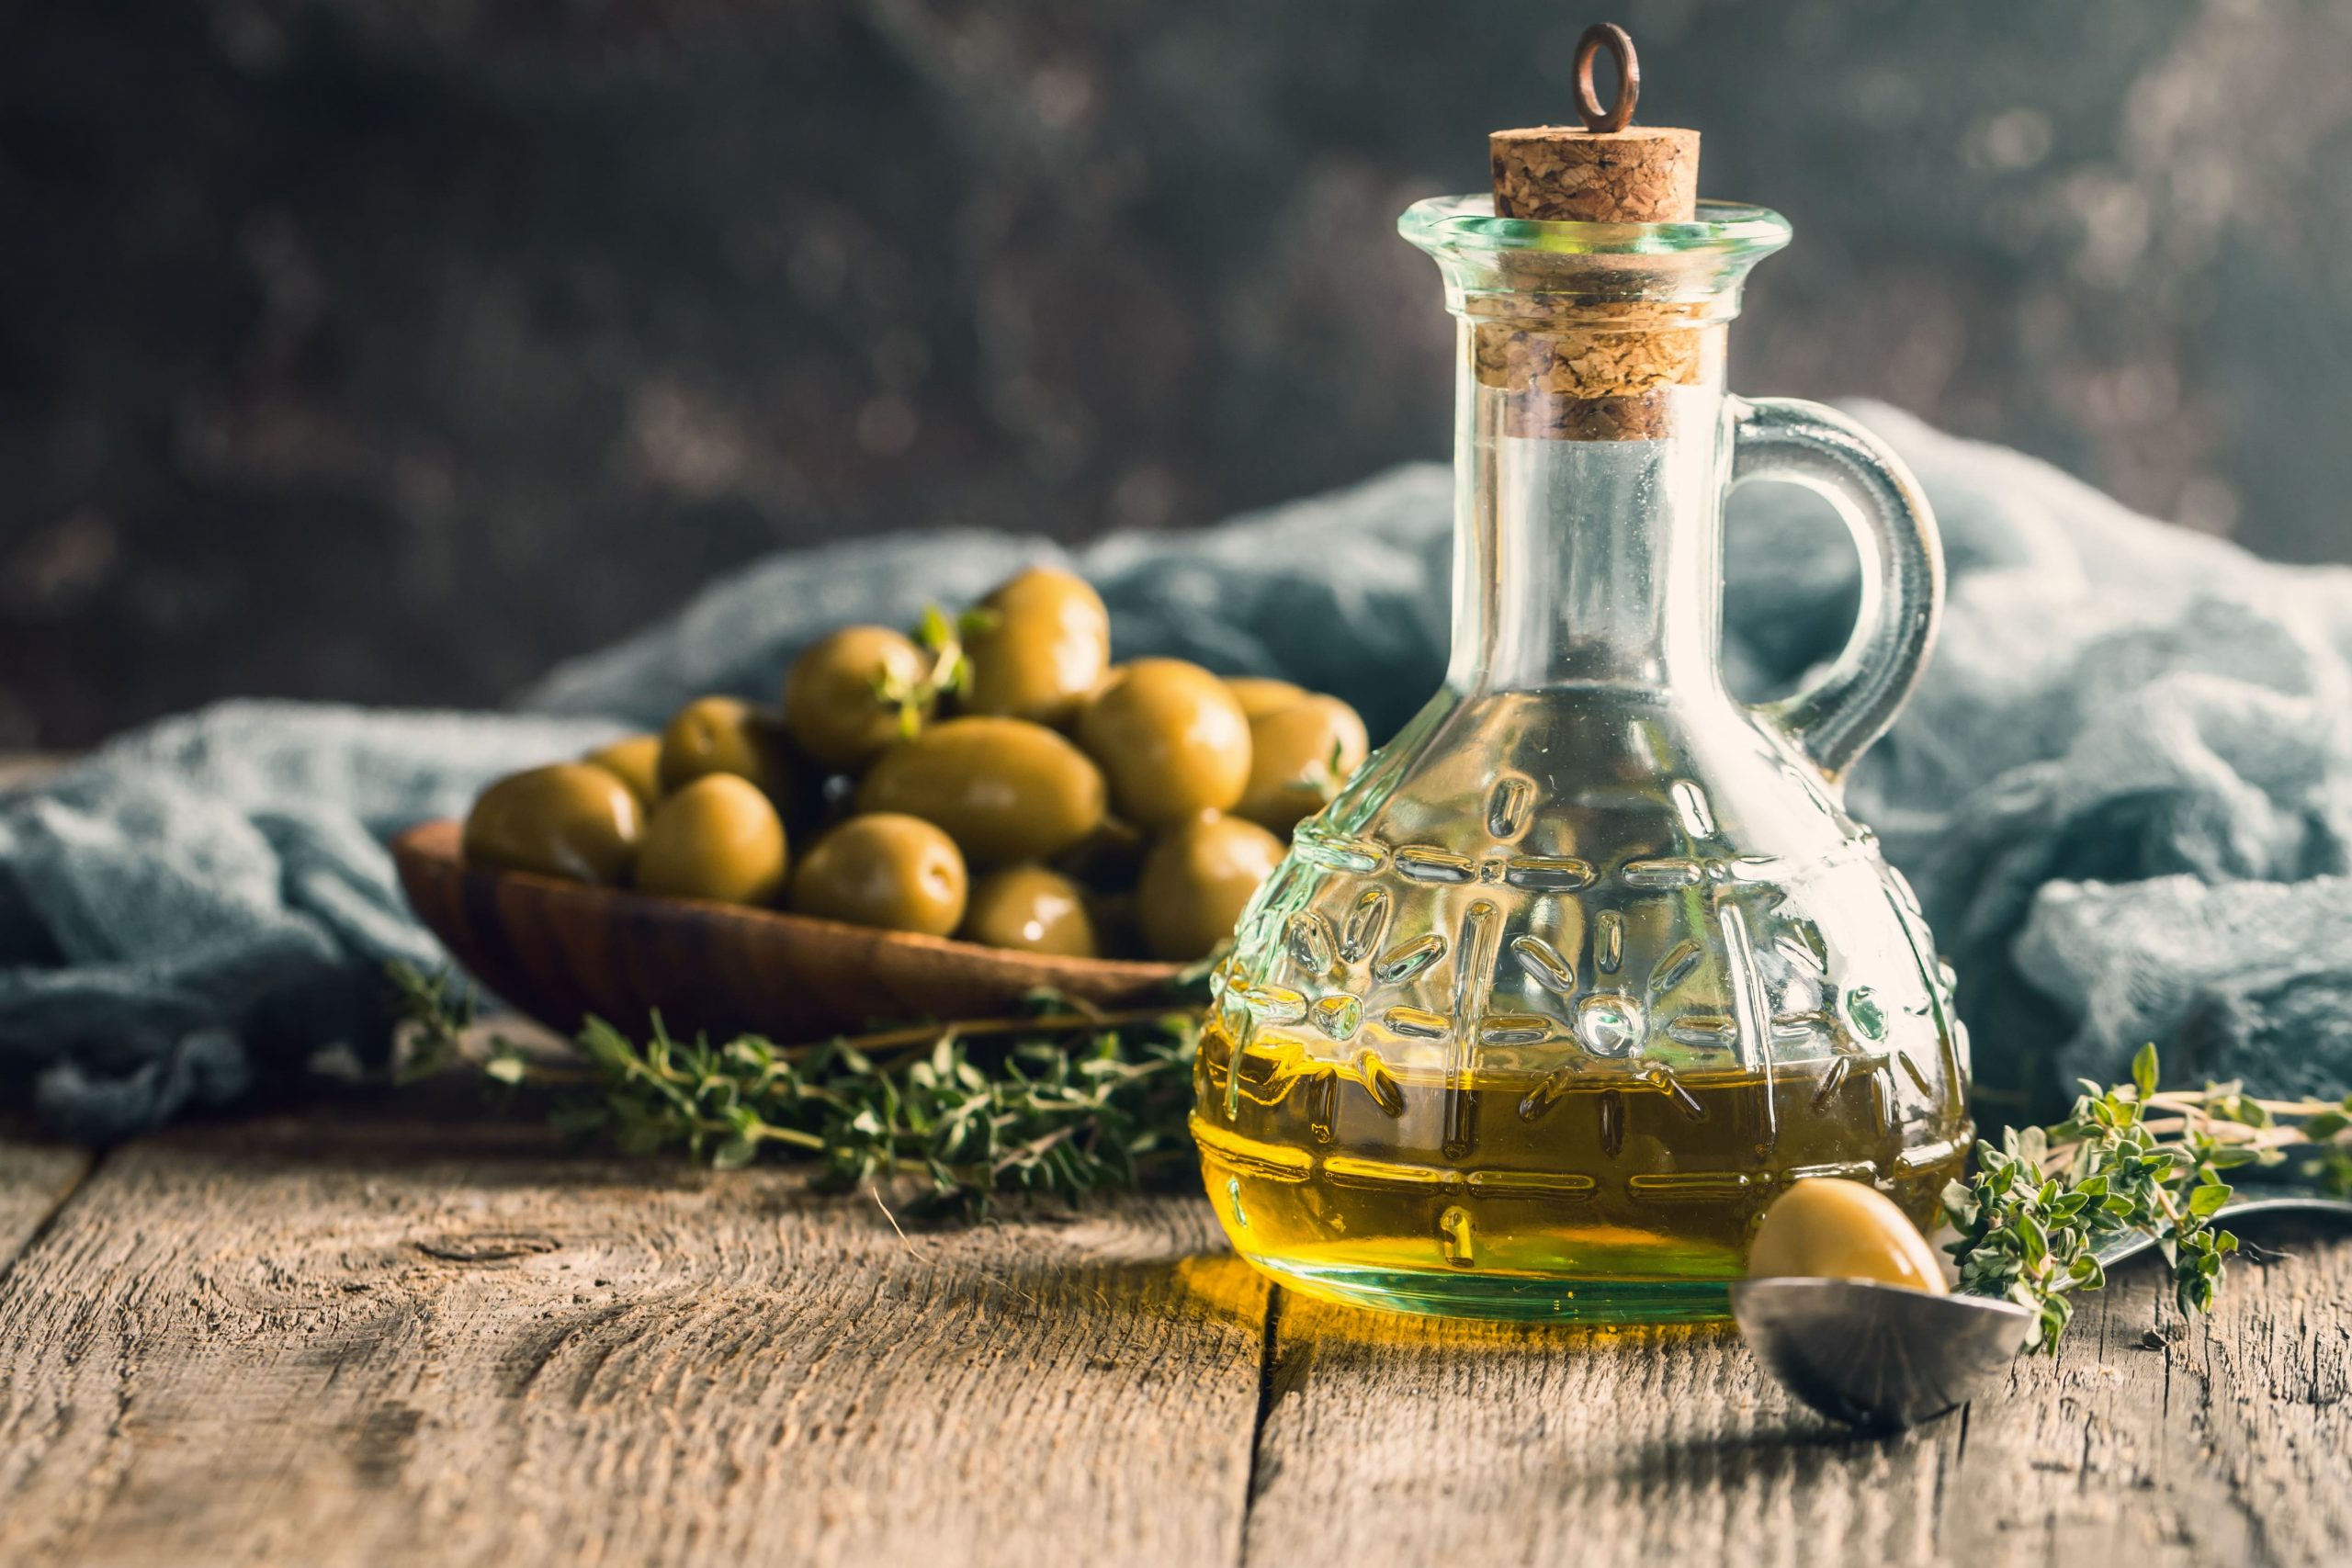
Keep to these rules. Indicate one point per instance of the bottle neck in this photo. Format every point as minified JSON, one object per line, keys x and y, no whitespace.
{"x":1589,"y":533}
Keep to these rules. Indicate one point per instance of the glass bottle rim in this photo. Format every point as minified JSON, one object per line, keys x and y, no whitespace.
{"x":1467,"y":224}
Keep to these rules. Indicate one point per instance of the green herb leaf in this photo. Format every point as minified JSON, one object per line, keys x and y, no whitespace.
{"x":1058,"y":1100}
{"x":2033,"y":1215}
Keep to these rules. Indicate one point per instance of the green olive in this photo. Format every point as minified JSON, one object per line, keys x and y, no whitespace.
{"x":1032,"y":909}
{"x":1045,"y":643}
{"x":1171,"y":741}
{"x":1196,"y":882}
{"x":1259,"y":694}
{"x":1005,"y":789}
{"x":726,"y":735}
{"x":837,"y":701}
{"x":636,"y":760}
{"x":1299,"y":756}
{"x":570,"y":819}
{"x":717,"y":838}
{"x":1828,"y":1228}
{"x":888,"y":869}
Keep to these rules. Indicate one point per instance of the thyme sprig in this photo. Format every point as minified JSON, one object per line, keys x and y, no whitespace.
{"x":948,"y":672}
{"x":2131,"y":1158}
{"x":1058,"y":1100}
{"x":1066,"y":1100}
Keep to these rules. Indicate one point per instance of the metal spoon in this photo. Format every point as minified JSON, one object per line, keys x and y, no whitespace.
{"x":1883,"y":1358}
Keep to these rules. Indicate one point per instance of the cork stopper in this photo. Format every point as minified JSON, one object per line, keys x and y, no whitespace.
{"x":1596,"y":379}
{"x":1643,"y":174}
{"x":1608,"y":170}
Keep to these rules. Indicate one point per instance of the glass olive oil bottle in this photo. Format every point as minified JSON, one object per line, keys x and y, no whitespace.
{"x":1590,"y":962}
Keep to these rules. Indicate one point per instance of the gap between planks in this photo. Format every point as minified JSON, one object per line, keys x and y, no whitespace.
{"x":1403,"y":1441}
{"x":37,"y":1181}
{"x":346,"y":1343}
{"x":336,"y":1342}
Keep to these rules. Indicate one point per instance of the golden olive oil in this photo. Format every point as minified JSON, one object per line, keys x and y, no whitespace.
{"x":1572,"y":1194}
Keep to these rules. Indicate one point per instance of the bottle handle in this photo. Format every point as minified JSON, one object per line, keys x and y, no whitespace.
{"x":1835,"y":720}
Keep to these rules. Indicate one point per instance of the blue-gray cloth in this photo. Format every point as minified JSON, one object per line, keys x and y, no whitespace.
{"x":2123,"y":791}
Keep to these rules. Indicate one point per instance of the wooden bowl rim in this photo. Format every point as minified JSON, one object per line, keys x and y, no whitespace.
{"x":438,"y":842}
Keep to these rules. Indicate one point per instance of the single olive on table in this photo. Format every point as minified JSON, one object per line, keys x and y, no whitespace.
{"x":884,"y":869}
{"x":1830,"y":1228}
{"x":718,"y":838}
{"x":991,"y":776}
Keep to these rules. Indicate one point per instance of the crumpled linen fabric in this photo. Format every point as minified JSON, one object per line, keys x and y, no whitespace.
{"x":208,"y":901}
{"x":2123,"y":789}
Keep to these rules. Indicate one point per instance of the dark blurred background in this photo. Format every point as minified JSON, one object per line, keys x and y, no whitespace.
{"x":392,"y":349}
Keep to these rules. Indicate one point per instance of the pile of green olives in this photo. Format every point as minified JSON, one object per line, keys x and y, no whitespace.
{"x":998,"y":780}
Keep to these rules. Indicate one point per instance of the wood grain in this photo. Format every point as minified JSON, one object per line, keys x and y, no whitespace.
{"x":1391,"y":1442}
{"x":35,"y":1177}
{"x":344,"y":1344}
{"x":360,"y":1339}
{"x":2155,"y":1442}
{"x":560,"y":949}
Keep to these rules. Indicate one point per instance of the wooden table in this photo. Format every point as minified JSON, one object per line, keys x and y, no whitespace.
{"x":400,"y":1328}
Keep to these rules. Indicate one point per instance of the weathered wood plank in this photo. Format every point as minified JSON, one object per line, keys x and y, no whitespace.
{"x":349,"y":1344}
{"x":34,"y":1180}
{"x":2151,"y":1442}
{"x":1395,"y":1441}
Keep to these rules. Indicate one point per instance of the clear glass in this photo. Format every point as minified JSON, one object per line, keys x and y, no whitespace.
{"x":1589,"y":962}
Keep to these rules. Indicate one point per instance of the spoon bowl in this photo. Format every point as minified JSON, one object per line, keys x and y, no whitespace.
{"x":1879,"y":1357}
{"x":1883,"y":1358}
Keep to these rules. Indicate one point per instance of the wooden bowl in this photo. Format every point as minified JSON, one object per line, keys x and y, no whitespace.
{"x":559,"y":951}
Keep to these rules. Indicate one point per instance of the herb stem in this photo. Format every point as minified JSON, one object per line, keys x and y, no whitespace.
{"x":1066,"y":1101}
{"x":928,"y":1034}
{"x":2034,"y":1214}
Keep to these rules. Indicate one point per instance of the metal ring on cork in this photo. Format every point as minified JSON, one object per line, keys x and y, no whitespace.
{"x":1619,"y":44}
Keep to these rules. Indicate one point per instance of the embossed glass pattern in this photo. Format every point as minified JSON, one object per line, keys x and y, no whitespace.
{"x":1590,"y":961}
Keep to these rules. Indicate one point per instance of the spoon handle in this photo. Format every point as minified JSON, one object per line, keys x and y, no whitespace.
{"x":2275,"y":1200}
